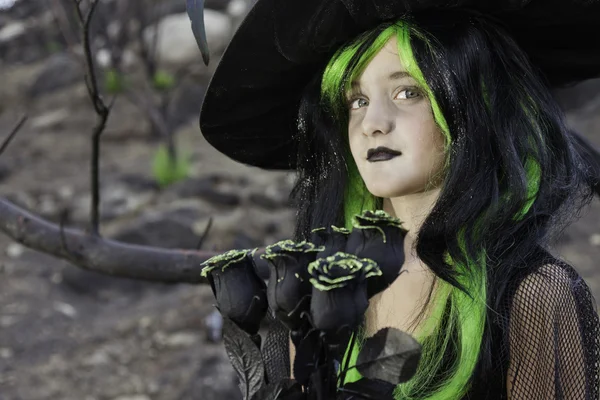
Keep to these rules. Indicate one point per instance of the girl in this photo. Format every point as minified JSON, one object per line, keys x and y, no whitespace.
{"x":445,"y":121}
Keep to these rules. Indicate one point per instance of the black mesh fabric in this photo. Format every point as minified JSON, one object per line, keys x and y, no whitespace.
{"x":554,"y":337}
{"x":546,"y":339}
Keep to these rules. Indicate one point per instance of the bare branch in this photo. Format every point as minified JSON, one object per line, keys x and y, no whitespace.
{"x":12,"y":134}
{"x":149,"y":57}
{"x":101,"y":110}
{"x":99,"y":254}
{"x":62,"y":22}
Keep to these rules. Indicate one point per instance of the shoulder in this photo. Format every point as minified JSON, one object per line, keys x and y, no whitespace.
{"x":554,"y":335}
{"x":551,"y":287}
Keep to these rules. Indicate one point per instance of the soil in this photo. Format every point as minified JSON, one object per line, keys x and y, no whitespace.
{"x":68,"y":334}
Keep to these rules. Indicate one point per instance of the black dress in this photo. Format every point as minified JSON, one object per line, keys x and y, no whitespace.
{"x":545,"y":339}
{"x":551,"y":349}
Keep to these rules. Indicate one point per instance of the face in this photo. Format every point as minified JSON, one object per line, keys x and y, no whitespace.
{"x":388,"y":109}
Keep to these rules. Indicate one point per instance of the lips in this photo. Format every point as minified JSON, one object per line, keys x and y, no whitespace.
{"x":381,"y":153}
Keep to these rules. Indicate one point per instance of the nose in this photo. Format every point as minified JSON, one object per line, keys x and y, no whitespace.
{"x":378,"y":119}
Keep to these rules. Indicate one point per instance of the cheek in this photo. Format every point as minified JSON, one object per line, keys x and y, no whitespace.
{"x":354,"y":143}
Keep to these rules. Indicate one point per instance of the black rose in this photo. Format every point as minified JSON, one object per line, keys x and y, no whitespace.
{"x":240,"y":293}
{"x":288,"y":286}
{"x":333,"y":239}
{"x":339,"y":293}
{"x":379,"y":237}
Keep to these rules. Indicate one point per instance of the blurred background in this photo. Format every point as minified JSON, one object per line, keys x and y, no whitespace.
{"x":71,"y":334}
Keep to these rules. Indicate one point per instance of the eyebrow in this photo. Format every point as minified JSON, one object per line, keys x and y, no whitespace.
{"x":392,"y":77}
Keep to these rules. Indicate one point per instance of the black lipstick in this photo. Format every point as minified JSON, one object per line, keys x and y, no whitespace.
{"x":381,"y":153}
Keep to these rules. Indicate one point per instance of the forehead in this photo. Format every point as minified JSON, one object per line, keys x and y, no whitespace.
{"x":385,"y":65}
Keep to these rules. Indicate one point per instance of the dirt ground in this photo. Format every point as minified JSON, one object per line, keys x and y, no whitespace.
{"x":67,"y":334}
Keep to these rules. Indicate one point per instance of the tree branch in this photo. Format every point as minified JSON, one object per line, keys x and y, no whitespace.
{"x":99,"y":254}
{"x":101,"y":110}
{"x":12,"y":134}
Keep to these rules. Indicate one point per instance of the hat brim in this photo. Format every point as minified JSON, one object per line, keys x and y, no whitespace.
{"x":250,"y":108}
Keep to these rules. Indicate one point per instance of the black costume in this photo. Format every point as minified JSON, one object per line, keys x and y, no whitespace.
{"x":555,"y":338}
{"x":250,"y":112}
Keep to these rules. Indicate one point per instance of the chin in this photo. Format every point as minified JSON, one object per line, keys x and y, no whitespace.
{"x":387,"y":192}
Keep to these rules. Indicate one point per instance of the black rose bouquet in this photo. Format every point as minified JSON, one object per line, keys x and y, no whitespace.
{"x":317,"y":294}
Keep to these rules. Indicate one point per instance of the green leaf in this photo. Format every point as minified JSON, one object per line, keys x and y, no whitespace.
{"x":114,"y":82}
{"x":163,"y":80}
{"x":166,"y":170}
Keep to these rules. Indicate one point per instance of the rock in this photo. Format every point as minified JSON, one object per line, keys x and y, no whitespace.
{"x":51,"y":119}
{"x":579,"y":95}
{"x":178,"y":6}
{"x":23,"y":9}
{"x":65,"y":192}
{"x":138,"y":182}
{"x":266,"y":202}
{"x":181,"y":339}
{"x":214,"y":379}
{"x":6,"y":353}
{"x":104,"y":58}
{"x":65,"y":309}
{"x":237,"y":10}
{"x":595,"y":239}
{"x":11,"y":31}
{"x":61,"y":70}
{"x":244,"y":241}
{"x":211,"y":188}
{"x":176,"y":43}
{"x":166,"y":229}
{"x":133,"y":397}
{"x":272,"y":197}
{"x":98,"y":357}
{"x":218,"y":5}
{"x":7,"y":321}
{"x":90,"y":284}
{"x":15,"y":250}
{"x":5,"y":170}
{"x":117,"y":199}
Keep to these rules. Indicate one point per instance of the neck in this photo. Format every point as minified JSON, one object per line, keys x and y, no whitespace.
{"x":411,"y":210}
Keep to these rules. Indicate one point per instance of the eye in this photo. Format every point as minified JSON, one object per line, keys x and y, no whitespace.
{"x":355,"y":104}
{"x":409,"y":93}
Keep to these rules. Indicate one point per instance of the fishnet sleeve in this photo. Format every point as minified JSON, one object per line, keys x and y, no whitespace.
{"x":553,"y":338}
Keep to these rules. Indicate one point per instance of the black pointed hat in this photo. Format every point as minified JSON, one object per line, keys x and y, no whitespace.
{"x":251,"y":105}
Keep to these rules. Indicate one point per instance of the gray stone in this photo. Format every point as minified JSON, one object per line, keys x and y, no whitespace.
{"x":5,"y":170}
{"x":60,"y":71}
{"x":117,"y":199}
{"x":181,"y":339}
{"x":176,"y":43}
{"x":133,"y":397}
{"x":579,"y":95}
{"x":11,"y":31}
{"x":222,"y":383}
{"x":82,"y":283}
{"x":171,"y":229}
{"x":51,"y":119}
{"x":178,"y":7}
{"x":209,"y":189}
{"x":24,"y":9}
